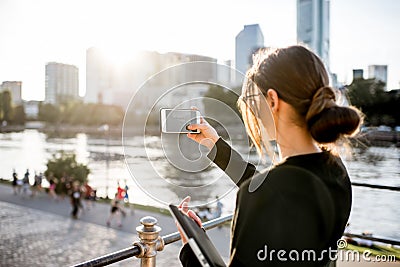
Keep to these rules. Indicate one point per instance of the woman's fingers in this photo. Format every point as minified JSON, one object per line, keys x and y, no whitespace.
{"x":201,"y":117}
{"x":186,"y":199}
{"x":194,"y":216}
{"x":201,"y":126}
{"x":184,"y":205}
{"x":184,"y":240}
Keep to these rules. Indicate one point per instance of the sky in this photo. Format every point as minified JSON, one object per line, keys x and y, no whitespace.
{"x":32,"y":33}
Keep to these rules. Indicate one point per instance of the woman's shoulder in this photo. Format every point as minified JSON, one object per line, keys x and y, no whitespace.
{"x":285,"y":178}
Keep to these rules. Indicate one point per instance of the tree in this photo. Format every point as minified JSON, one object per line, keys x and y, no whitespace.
{"x":78,"y":113}
{"x":63,"y":163}
{"x":19,"y":116}
{"x":370,"y":97}
{"x":6,"y":106}
{"x":49,"y":113}
{"x":222,"y":96}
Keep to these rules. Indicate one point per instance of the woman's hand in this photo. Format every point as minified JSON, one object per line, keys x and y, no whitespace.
{"x":208,"y":136}
{"x":184,"y":207}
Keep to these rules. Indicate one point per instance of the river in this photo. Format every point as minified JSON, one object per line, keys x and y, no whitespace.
{"x":153,"y":181}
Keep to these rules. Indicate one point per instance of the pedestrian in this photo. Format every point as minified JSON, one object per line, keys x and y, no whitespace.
{"x":120,"y":192}
{"x":75,"y":199}
{"x":37,"y":184}
{"x":126,"y":196}
{"x":52,"y":187}
{"x":87,"y":194}
{"x":15,"y":182}
{"x":115,"y":212}
{"x":62,"y":187}
{"x":218,"y":210}
{"x":126,"y":199}
{"x":25,"y":184}
{"x":302,"y":203}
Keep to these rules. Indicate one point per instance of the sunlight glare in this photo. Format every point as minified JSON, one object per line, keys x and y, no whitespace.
{"x":119,"y":55}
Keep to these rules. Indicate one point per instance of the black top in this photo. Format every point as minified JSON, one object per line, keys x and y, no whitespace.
{"x":302,"y":205}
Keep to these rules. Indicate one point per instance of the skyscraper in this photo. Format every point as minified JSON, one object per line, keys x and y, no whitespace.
{"x":62,"y":83}
{"x":248,"y":41}
{"x":313,"y":26}
{"x":378,"y":72}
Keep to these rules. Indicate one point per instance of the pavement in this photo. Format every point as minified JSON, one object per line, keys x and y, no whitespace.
{"x":40,"y":232}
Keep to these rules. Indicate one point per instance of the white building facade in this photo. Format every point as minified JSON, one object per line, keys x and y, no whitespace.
{"x":379,"y":73}
{"x":313,"y":18}
{"x":248,"y":41}
{"x":62,"y":83}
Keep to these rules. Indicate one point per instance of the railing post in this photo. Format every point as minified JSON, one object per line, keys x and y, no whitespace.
{"x":150,"y":241}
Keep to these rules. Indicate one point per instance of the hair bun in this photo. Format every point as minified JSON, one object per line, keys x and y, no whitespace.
{"x":327,"y":121}
{"x":323,"y":98}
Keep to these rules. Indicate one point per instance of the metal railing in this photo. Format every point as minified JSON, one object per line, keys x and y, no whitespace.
{"x":150,"y":242}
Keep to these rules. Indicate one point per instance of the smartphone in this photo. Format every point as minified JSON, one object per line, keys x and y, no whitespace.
{"x":177,"y":120}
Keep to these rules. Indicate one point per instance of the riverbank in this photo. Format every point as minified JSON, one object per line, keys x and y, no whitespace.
{"x":373,"y":136}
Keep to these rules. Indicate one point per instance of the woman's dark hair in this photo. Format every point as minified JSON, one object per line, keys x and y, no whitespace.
{"x":300,"y":79}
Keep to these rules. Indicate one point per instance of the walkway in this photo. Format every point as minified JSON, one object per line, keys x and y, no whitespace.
{"x":39,"y":232}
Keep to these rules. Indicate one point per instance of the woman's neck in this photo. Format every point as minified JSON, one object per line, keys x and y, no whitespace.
{"x":294,"y":140}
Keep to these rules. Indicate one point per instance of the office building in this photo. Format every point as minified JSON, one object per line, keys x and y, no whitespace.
{"x":379,"y":73}
{"x":358,"y":74}
{"x":15,"y":89}
{"x":62,"y":83}
{"x":313,"y":26}
{"x":248,"y":41}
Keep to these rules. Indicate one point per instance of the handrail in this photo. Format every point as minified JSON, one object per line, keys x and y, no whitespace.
{"x":376,"y":186}
{"x":135,"y":250}
{"x":377,"y":239}
{"x":112,"y":257}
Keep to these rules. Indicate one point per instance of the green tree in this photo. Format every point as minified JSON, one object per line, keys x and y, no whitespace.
{"x":6,"y":106}
{"x":370,"y":97}
{"x":79,"y":113}
{"x":221,"y":96}
{"x":1,"y":107}
{"x":49,"y":113}
{"x":63,"y":163}
{"x":19,"y":116}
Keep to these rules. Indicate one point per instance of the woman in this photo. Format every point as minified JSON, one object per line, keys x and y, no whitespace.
{"x":300,"y":206}
{"x":115,"y":211}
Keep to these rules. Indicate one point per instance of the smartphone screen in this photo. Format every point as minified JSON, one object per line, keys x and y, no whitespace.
{"x":176,"y":120}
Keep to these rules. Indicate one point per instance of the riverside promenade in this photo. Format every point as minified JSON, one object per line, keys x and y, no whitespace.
{"x":39,"y":232}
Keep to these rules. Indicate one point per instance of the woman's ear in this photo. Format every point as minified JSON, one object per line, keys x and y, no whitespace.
{"x":273,"y":100}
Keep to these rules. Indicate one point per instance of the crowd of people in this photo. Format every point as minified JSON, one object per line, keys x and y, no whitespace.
{"x":67,"y":187}
{"x":58,"y":189}
{"x":23,"y":186}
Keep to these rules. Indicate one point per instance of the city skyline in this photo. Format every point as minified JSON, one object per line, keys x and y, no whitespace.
{"x":362,"y":33}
